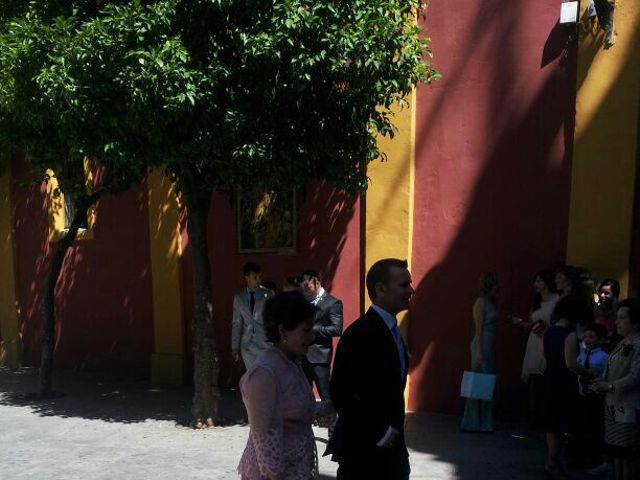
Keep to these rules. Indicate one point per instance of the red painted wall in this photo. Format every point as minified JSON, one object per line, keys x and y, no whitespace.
{"x":328,"y":241}
{"x":493,"y":152}
{"x":104,"y":306}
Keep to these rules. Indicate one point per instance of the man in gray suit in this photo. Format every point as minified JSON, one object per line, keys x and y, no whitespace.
{"x":247,"y":329}
{"x":327,"y":324}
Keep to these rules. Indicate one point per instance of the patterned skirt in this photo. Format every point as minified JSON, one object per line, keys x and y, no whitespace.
{"x":622,"y":439}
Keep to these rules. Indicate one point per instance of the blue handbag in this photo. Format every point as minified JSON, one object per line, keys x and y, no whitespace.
{"x":478,"y":385}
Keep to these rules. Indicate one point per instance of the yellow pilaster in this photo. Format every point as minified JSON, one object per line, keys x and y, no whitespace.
{"x":10,"y":341}
{"x":167,"y":363}
{"x":606,"y":142}
{"x":390,"y":198}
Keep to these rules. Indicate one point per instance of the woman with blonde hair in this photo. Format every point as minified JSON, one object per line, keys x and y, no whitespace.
{"x":478,"y":414}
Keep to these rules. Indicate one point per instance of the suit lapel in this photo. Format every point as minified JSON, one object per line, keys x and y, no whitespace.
{"x":322,"y":299}
{"x":245,"y":301}
{"x":390,"y":343}
{"x":247,"y":307}
{"x":261,"y":298}
{"x":260,"y":293}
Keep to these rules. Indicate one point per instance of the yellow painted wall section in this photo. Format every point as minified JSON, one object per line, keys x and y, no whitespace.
{"x":10,"y":342}
{"x":389,"y":201}
{"x":604,"y":159}
{"x":167,"y":363}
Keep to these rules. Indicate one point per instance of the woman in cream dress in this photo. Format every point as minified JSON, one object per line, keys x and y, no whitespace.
{"x":533,"y":362}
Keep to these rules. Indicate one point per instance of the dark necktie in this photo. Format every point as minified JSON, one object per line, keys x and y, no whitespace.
{"x":587,"y":365}
{"x":252,"y":301}
{"x":584,"y":381}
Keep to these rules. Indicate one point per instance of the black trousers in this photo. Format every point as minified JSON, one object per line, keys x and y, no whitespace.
{"x":319,"y":375}
{"x":383,"y":468}
{"x":536,"y":392}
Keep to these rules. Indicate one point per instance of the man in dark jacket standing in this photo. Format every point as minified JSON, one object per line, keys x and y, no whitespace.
{"x":327,"y":324}
{"x":368,"y":381}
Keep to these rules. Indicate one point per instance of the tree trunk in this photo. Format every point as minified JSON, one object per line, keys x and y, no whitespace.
{"x":47,"y":309}
{"x":206,"y":367}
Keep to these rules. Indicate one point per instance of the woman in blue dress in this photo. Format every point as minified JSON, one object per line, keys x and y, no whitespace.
{"x":478,"y":414}
{"x":560,"y":379}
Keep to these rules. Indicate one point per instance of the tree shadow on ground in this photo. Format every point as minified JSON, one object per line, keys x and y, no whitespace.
{"x":111,"y":398}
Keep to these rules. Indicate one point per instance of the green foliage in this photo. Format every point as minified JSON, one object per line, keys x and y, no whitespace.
{"x":216,"y":91}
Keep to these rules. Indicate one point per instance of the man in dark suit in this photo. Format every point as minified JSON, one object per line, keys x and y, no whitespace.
{"x":368,"y":381}
{"x":327,"y":324}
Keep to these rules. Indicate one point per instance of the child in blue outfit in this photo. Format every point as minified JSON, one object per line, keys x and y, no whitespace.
{"x":590,"y":422}
{"x":592,"y":357}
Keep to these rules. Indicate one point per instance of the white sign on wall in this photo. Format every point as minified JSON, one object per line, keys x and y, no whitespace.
{"x":569,"y":12}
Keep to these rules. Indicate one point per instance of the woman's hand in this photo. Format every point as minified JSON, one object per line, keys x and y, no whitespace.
{"x":538,"y":328}
{"x":601,"y":386}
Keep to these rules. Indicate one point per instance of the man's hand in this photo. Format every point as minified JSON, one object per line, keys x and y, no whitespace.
{"x":235,"y":354}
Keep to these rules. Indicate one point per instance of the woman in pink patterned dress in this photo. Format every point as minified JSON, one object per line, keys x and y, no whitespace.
{"x":278,"y":398}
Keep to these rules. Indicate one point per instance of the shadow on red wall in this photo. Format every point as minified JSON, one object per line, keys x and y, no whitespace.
{"x":328,"y":241}
{"x":494,"y":148}
{"x":104,"y":312}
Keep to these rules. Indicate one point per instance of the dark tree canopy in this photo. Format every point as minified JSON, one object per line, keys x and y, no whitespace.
{"x":215,"y":92}
{"x":286,"y":90}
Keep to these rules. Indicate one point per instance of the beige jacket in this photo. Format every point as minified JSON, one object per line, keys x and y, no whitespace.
{"x":623,"y":373}
{"x":247,"y":330}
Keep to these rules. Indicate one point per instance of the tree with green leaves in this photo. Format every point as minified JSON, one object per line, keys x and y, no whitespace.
{"x":56,"y":136}
{"x":221,"y":92}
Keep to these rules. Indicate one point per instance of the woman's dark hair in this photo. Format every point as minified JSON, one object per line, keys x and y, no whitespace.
{"x":288,"y":309}
{"x":488,"y":282}
{"x":548,"y":277}
{"x":633,"y":304}
{"x":569,"y":309}
{"x":581,"y":295}
{"x":587,"y":284}
{"x":613,"y":284}
{"x":572,"y":274}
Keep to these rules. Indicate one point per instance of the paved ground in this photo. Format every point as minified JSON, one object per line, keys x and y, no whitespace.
{"x":125,"y":429}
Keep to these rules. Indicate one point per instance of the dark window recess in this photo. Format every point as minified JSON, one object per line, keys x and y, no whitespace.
{"x":70,"y":211}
